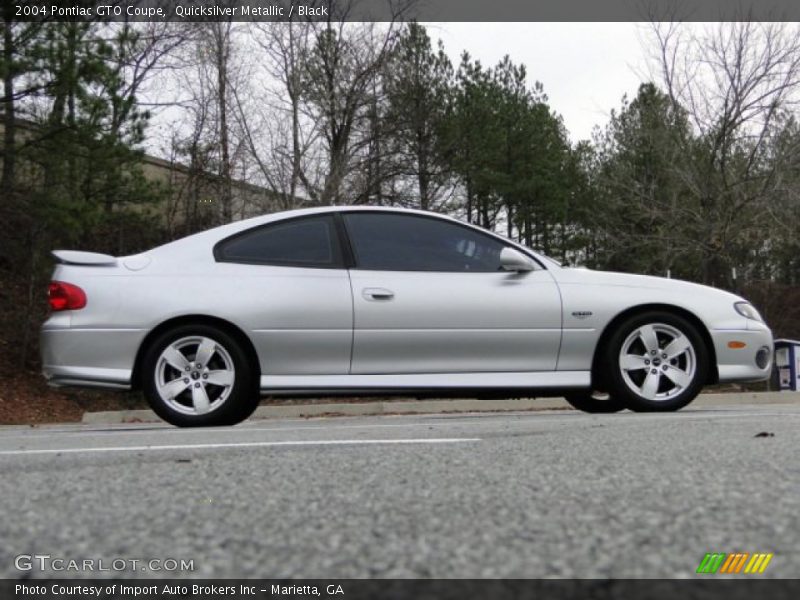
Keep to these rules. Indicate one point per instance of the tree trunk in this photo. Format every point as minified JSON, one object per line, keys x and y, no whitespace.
{"x":9,"y":116}
{"x":423,"y":176}
{"x":294,"y":96}
{"x":485,"y":213}
{"x":224,"y":142}
{"x":469,"y":200}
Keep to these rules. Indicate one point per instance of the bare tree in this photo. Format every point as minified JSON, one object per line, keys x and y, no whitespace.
{"x":142,"y":52}
{"x":216,"y":36}
{"x":279,"y":135}
{"x":736,"y":81}
{"x":210,"y":76}
{"x":339,"y":88}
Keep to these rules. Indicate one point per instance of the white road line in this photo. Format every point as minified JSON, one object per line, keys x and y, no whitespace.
{"x":236,"y":445}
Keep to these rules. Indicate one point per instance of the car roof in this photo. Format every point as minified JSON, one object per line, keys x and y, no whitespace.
{"x":287,"y":214}
{"x":221,"y":232}
{"x":210,"y":237}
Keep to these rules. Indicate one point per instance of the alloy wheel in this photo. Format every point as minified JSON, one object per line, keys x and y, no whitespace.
{"x":658,"y":362}
{"x":194,"y":375}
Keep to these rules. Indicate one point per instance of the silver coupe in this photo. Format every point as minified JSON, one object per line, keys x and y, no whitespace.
{"x":360,"y":300}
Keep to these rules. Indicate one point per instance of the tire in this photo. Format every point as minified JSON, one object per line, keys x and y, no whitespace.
{"x":655,"y":362}
{"x":222,"y":392}
{"x":594,"y":402}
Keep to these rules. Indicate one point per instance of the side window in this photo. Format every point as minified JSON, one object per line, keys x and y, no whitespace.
{"x":303,"y":242}
{"x":395,"y":242}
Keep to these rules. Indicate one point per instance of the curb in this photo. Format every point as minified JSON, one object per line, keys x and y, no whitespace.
{"x":403,"y":407}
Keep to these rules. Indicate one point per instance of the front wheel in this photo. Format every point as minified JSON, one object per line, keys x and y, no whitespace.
{"x":198,"y":375}
{"x":656,"y":361}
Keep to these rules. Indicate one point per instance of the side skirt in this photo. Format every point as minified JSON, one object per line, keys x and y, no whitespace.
{"x":401,"y":383}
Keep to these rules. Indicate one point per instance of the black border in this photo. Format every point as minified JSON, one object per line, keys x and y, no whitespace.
{"x":476,"y":11}
{"x":744,"y":587}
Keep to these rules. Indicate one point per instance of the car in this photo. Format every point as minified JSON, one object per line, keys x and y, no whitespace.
{"x":366,"y":300}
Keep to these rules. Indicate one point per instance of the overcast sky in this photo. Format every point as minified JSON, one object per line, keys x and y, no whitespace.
{"x":585,"y":67}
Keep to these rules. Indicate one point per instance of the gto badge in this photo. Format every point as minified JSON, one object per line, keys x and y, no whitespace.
{"x":582,"y":314}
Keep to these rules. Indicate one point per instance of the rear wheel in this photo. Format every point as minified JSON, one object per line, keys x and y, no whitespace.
{"x":198,"y":375}
{"x":656,"y":361}
{"x":594,"y":402}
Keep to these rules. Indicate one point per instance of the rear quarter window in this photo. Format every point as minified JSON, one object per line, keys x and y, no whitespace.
{"x":302,"y":242}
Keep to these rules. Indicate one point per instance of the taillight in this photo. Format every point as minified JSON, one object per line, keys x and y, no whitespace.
{"x":65,"y":296}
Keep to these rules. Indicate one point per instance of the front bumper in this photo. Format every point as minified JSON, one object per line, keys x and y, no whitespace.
{"x":735,"y":363}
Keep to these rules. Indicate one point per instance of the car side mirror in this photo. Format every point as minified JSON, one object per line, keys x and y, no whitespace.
{"x":514,"y":260}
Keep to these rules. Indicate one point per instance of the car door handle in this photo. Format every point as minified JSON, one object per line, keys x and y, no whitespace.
{"x":377,"y":294}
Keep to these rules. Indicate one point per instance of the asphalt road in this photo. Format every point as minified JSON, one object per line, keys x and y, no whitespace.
{"x":548,"y":494}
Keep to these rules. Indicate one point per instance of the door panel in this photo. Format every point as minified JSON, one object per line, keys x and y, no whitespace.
{"x":429,"y":322}
{"x":300,"y":320}
{"x":286,"y":283}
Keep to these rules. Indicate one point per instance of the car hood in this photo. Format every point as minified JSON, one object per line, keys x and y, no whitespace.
{"x":571,"y":275}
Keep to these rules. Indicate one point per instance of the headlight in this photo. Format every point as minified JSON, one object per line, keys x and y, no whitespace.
{"x":747,"y":310}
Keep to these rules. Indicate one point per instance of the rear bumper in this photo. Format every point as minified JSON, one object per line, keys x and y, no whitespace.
{"x":89,"y":357}
{"x":739,"y":364}
{"x":113,"y":379}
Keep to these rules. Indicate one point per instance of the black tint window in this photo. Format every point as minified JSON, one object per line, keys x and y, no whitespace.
{"x":305,"y":242}
{"x":392,"y":242}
